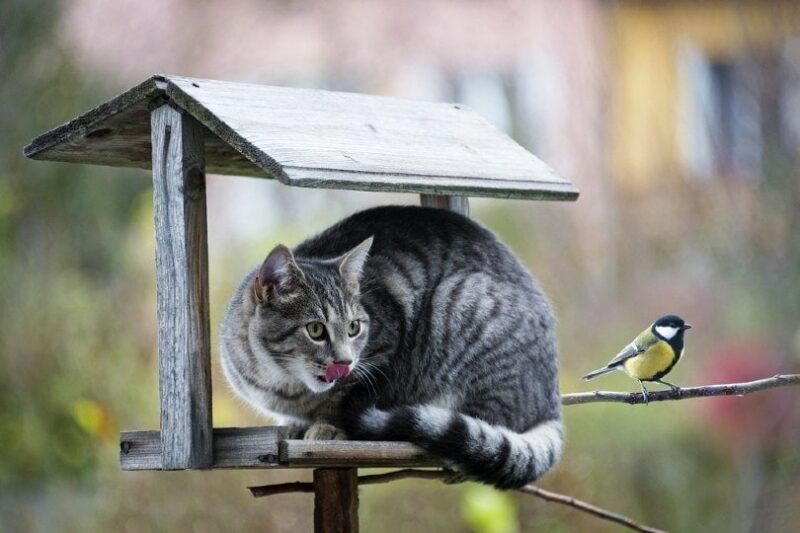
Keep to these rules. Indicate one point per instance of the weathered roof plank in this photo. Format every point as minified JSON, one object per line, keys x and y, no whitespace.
{"x":314,"y":138}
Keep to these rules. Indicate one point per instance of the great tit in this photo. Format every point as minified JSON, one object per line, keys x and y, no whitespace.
{"x":651,"y":355}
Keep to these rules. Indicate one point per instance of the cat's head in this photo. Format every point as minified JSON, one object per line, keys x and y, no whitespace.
{"x":308,"y":316}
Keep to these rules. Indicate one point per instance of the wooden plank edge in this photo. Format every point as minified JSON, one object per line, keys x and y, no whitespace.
{"x":439,"y":185}
{"x":254,"y":447}
{"x":226,"y":133}
{"x":344,"y":453}
{"x":253,"y":171}
{"x":349,"y":179}
{"x":88,"y":121}
{"x":184,"y":345}
{"x":265,"y":447}
{"x":160,"y":85}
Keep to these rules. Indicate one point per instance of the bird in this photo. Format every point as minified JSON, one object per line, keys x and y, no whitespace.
{"x":651,"y":355}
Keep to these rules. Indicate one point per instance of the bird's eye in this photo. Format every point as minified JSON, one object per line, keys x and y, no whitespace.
{"x":353,"y":328}
{"x":315,"y":330}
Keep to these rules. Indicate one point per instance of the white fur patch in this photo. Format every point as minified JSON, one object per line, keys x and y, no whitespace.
{"x":667,"y":331}
{"x":300,"y":370}
{"x":432,"y":420}
{"x":373,"y":419}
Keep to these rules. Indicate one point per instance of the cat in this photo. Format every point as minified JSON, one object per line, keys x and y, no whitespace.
{"x":406,"y":324}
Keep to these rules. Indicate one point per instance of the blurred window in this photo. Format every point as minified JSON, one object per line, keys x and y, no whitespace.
{"x":719,"y":116}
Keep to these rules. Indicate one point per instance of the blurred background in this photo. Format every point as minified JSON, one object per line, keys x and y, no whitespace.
{"x":678,"y":120}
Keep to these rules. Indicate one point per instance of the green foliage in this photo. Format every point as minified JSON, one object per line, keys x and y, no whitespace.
{"x":487,"y":510}
{"x":67,"y":337}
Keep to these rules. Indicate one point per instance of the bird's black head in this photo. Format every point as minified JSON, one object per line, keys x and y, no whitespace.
{"x":670,"y":326}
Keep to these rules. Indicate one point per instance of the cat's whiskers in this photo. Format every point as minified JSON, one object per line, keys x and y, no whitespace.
{"x":362,"y":373}
{"x":369,"y":290}
{"x":368,"y":382}
{"x":372,"y":366}
{"x":281,"y":354}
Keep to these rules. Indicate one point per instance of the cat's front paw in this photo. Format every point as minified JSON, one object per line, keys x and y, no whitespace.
{"x":322,"y":431}
{"x":294,"y":431}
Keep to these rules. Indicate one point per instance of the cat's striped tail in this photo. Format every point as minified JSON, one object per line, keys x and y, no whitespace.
{"x":491,"y":454}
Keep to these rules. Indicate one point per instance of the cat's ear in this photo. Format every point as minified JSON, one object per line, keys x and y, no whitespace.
{"x":279,"y":275}
{"x":351,"y":265}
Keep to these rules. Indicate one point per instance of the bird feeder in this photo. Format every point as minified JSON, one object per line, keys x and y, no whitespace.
{"x":182,"y":128}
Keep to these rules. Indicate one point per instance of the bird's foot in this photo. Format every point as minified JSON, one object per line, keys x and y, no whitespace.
{"x":672,"y":386}
{"x":644,"y":393}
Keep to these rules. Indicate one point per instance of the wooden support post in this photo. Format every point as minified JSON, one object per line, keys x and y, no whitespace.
{"x":179,"y":194}
{"x":459,"y":204}
{"x":336,"y":500}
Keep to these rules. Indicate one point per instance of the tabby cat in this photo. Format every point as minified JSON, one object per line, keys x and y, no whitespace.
{"x":407,"y":324}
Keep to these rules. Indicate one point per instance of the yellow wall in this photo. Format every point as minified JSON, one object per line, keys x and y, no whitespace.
{"x":645,"y":36}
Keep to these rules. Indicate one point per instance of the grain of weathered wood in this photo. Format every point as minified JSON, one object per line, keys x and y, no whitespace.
{"x":184,"y":345}
{"x":263,"y":447}
{"x":459,"y":204}
{"x":336,"y":500}
{"x":255,"y":447}
{"x":353,"y":453}
{"x":140,"y":450}
{"x":313,"y":138}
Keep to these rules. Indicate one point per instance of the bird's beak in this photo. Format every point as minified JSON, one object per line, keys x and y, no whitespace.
{"x":686,"y":326}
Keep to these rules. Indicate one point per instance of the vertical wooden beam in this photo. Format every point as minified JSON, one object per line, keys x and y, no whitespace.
{"x":459,"y":204}
{"x":336,"y":500}
{"x":179,"y":194}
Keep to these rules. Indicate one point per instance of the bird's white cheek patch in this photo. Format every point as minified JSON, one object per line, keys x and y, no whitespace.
{"x":666,"y":331}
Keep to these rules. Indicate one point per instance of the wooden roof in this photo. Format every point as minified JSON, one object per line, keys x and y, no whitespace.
{"x":314,"y":138}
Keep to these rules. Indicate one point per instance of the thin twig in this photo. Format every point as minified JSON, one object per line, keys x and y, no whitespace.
{"x":730,"y":389}
{"x":406,"y":473}
{"x":445,"y":475}
{"x":586,"y":508}
{"x":373,"y":479}
{"x":281,"y":488}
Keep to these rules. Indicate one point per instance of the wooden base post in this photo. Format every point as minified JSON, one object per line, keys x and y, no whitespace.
{"x":336,"y":500}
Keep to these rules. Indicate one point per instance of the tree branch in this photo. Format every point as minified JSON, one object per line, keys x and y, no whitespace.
{"x":299,"y":486}
{"x":447,"y":476}
{"x":281,"y":488}
{"x":730,"y":389}
{"x":587,"y":508}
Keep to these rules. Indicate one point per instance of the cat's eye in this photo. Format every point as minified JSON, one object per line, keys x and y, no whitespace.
{"x":353,"y":328}
{"x":316,"y":330}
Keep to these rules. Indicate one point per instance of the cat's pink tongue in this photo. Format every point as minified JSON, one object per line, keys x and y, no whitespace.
{"x":336,"y":371}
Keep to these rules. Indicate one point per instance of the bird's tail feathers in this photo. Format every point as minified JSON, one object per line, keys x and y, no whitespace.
{"x":599,"y":372}
{"x":481,"y":451}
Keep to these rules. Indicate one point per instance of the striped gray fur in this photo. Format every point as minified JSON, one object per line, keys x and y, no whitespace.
{"x":456,"y":353}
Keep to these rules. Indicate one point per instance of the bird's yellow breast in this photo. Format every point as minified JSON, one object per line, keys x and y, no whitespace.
{"x":651,"y":362}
